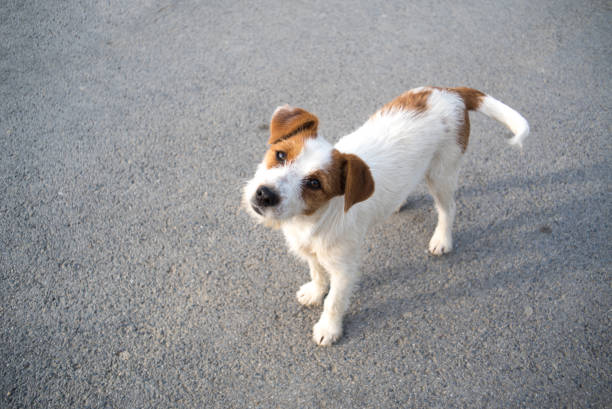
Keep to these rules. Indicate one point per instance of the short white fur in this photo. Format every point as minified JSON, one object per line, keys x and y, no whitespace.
{"x":401,"y":147}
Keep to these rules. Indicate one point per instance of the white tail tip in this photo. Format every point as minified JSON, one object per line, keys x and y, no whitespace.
{"x":517,"y":139}
{"x":508,"y":116}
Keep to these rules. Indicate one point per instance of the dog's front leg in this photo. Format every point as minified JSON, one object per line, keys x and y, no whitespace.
{"x":313,"y":291}
{"x":343,"y":279}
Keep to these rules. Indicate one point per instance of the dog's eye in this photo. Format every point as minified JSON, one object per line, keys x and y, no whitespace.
{"x":281,"y":156}
{"x":313,"y":184}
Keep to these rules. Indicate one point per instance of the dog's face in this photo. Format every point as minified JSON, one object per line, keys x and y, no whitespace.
{"x":301,"y":172}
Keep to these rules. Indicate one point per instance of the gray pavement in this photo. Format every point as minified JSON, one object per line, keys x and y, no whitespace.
{"x":131,"y":278}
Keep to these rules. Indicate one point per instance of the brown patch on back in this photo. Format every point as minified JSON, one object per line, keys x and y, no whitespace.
{"x":409,"y":101}
{"x":417,"y":101}
{"x":471,"y":97}
{"x":347,"y":175}
{"x":463,"y":134}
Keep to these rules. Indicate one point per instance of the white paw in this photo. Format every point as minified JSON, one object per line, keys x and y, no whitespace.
{"x":440,"y":243}
{"x":326,"y":332}
{"x":310,"y":294}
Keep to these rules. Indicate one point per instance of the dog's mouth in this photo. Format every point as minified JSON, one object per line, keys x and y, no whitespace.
{"x":256,"y":209}
{"x":265,"y":215}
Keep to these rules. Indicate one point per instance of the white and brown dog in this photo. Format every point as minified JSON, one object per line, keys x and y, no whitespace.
{"x":325,"y":197}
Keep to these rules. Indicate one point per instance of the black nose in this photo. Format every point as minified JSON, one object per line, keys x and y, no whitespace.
{"x":266,"y":197}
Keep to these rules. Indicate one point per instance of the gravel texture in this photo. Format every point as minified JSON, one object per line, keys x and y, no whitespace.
{"x":131,"y":278}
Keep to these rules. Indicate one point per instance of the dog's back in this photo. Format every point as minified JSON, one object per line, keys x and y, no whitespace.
{"x":423,"y":132}
{"x":400,"y":140}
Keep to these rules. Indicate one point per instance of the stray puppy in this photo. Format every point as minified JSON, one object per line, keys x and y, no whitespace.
{"x":325,"y":197}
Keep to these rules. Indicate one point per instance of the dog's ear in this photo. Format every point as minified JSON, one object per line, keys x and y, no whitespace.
{"x":288,"y":121}
{"x":358,"y":181}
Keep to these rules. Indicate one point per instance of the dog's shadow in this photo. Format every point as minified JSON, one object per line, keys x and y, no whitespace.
{"x":567,"y":176}
{"x":416,"y":201}
{"x":488,"y":245}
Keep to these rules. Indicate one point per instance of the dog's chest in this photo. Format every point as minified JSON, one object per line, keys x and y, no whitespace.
{"x":300,"y":238}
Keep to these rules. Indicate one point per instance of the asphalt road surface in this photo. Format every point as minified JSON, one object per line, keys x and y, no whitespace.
{"x":131,"y":277}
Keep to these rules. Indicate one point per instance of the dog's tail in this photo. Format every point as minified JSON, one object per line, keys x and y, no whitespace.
{"x":478,"y":101}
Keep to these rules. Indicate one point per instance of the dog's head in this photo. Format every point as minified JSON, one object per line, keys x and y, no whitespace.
{"x":301,"y":171}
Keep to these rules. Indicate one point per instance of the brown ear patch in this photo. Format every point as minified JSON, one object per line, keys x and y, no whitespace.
{"x":409,"y":101}
{"x":347,"y":175}
{"x":289,"y":129}
{"x":331,"y":183}
{"x":358,"y":181}
{"x":291,"y":147}
{"x":288,"y":121}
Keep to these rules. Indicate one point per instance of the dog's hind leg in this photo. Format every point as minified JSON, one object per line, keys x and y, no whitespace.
{"x":442,"y":182}
{"x":313,"y":291}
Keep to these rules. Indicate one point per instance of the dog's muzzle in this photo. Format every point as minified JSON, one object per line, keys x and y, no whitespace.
{"x":264,"y":197}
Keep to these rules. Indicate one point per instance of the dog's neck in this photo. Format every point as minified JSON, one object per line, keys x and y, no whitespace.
{"x":320,"y":223}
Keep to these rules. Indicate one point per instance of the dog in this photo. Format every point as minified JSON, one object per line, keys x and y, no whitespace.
{"x":325,"y":197}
